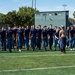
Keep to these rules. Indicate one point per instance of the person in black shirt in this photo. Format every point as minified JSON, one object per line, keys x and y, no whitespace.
{"x":50,"y":36}
{"x":9,"y":34}
{"x":22,"y":35}
{"x":44,"y":37}
{"x":71,"y":37}
{"x":33,"y":37}
{"x":26,"y":37}
{"x":67,"y":31}
{"x":56,"y":38}
{"x":38,"y":37}
{"x":14,"y":34}
{"x":3,"y":38}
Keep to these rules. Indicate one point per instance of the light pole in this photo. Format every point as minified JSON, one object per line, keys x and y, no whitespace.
{"x":32,"y":3}
{"x":64,"y":6}
{"x":35,"y":5}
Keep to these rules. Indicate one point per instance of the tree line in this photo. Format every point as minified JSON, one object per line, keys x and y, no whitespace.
{"x":24,"y":16}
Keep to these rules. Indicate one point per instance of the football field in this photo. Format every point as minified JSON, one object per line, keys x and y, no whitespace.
{"x":37,"y":63}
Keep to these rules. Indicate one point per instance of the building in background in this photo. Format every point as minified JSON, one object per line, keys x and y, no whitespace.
{"x":56,"y":18}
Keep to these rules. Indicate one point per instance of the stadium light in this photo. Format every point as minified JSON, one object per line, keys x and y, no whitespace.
{"x":64,"y":6}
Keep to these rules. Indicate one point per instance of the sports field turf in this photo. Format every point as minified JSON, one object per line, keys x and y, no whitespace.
{"x":37,"y":63}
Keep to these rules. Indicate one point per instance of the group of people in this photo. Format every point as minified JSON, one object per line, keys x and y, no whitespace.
{"x":27,"y":37}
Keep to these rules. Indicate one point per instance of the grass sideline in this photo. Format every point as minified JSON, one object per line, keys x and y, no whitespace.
{"x":37,"y":59}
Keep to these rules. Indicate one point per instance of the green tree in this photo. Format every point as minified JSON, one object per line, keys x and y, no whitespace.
{"x":71,"y":20}
{"x":27,"y":15}
{"x":74,"y":14}
{"x":24,"y":16}
{"x":2,"y":18}
{"x":11,"y":18}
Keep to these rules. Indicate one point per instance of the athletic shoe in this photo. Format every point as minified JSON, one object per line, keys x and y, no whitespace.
{"x":71,"y":49}
{"x":19,"y":50}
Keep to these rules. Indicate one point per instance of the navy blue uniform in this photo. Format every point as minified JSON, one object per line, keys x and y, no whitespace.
{"x":63,"y":44}
{"x":19,"y":34}
{"x":22,"y":35}
{"x":44,"y":35}
{"x":50,"y":40}
{"x":67,"y":42}
{"x":14,"y":35}
{"x":56,"y":39}
{"x":38,"y":38}
{"x":9,"y":37}
{"x":33,"y":38}
{"x":27,"y":31}
{"x":71,"y":33}
{"x":3,"y":39}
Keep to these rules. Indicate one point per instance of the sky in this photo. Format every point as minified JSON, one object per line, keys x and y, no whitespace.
{"x":41,"y":5}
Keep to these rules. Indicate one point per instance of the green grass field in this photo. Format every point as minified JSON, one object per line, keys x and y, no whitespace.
{"x":37,"y":63}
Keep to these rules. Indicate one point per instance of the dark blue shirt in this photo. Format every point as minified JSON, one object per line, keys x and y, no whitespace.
{"x":3,"y":33}
{"x":68,"y":32}
{"x":54,"y":31}
{"x":50,"y":32}
{"x":19,"y":32}
{"x":0,"y":31}
{"x":44,"y":33}
{"x":15,"y":32}
{"x":38,"y":33}
{"x":71,"y":33}
{"x":33,"y":32}
{"x":22,"y":32}
{"x":27,"y":32}
{"x":56,"y":34}
{"x":9,"y":33}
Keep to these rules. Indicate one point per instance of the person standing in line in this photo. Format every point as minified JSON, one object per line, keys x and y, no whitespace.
{"x":50,"y":36}
{"x":56,"y":39}
{"x":44,"y":37}
{"x":38,"y":37}
{"x":33,"y":37}
{"x":67,"y":42}
{"x":9,"y":35}
{"x":14,"y":34}
{"x":19,"y":38}
{"x":26,"y":36}
{"x":74,"y":39}
{"x":22,"y":35}
{"x":71,"y":37}
{"x":3,"y":38}
{"x":62,"y":36}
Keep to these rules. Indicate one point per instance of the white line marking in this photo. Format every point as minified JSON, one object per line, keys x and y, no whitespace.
{"x":38,"y":55}
{"x":60,"y":67}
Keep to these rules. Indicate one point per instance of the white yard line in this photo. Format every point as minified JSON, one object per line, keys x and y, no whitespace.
{"x":39,"y":55}
{"x":16,"y":70}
